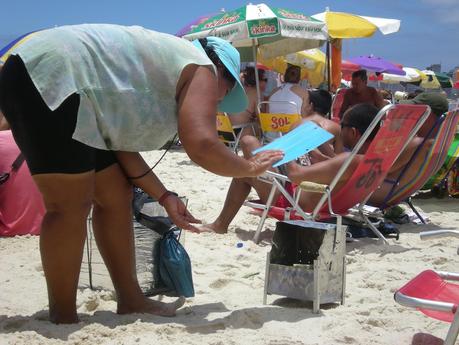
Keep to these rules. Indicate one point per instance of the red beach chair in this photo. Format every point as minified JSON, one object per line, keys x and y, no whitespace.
{"x":431,"y":293}
{"x":337,"y":104}
{"x":399,"y":125}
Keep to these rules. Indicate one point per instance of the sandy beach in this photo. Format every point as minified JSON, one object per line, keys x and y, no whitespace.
{"x":228,"y":308}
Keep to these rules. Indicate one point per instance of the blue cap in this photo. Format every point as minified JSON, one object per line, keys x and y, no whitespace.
{"x":236,"y":100}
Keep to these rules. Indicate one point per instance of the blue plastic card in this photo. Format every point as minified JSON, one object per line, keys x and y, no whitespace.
{"x":298,"y":142}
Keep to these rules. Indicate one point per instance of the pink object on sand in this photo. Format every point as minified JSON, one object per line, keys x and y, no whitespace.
{"x":21,"y":204}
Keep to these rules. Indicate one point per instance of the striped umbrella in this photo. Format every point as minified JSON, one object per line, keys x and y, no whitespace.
{"x":274,"y":31}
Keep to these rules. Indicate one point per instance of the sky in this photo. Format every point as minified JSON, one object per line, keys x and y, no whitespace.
{"x":429,"y":32}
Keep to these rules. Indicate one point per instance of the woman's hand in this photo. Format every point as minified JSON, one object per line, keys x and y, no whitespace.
{"x":262,"y":161}
{"x":179,"y":215}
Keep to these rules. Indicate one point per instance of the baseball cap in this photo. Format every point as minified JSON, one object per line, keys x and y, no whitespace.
{"x":437,"y":101}
{"x":236,"y":100}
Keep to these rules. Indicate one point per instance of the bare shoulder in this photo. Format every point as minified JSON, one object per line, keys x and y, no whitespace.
{"x":300,"y":91}
{"x":197,"y":74}
{"x":274,"y":91}
{"x":332,"y":127}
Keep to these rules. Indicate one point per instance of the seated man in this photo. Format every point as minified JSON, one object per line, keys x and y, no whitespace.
{"x":355,"y":122}
{"x":289,"y":98}
{"x":360,"y":92}
{"x":289,"y":91}
{"x":439,"y":105}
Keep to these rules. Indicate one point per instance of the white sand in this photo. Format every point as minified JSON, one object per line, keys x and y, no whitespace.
{"x":228,"y":280}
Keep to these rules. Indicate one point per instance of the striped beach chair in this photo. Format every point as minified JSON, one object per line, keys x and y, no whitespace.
{"x":432,"y":162}
{"x":439,"y":179}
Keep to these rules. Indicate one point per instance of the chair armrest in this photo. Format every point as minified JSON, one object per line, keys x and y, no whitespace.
{"x":244,"y":125}
{"x":277,"y":175}
{"x":414,"y":302}
{"x":313,"y":187}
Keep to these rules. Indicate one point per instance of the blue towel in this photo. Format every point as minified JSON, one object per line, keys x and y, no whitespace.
{"x":298,"y":142}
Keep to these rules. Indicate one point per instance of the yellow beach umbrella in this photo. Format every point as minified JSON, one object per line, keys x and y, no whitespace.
{"x":348,"y":25}
{"x":311,"y":61}
{"x":341,"y":25}
{"x":429,"y":80}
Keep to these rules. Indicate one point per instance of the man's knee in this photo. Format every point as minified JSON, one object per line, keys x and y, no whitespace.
{"x":249,"y":143}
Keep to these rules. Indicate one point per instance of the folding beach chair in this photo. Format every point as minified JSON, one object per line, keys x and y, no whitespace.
{"x":433,"y":294}
{"x":231,"y":134}
{"x":432,"y":162}
{"x":337,"y":103}
{"x":274,"y":125}
{"x":399,"y":125}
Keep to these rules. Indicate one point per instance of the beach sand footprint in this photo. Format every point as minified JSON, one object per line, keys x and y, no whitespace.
{"x":219,"y":283}
{"x":13,"y":325}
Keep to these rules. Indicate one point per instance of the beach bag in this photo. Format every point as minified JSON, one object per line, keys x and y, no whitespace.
{"x":171,"y":265}
{"x":151,"y":224}
{"x":175,"y":265}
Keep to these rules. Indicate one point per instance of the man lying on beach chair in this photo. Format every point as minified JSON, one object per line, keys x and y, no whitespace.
{"x":354,"y":176}
{"x":421,"y":159}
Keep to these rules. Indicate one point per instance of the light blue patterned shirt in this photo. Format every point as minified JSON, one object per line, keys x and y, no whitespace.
{"x":126,"y":78}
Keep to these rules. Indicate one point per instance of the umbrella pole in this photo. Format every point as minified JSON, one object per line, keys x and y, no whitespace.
{"x":257,"y":81}
{"x":328,"y":65}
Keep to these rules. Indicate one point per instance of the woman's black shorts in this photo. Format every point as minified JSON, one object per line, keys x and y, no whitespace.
{"x":45,"y":136}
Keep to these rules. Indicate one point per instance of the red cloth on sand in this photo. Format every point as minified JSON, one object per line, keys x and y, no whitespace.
{"x":21,"y":204}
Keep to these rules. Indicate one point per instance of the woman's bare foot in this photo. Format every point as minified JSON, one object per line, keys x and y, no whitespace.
{"x":63,"y":319}
{"x":150,"y":306}
{"x":213,"y":227}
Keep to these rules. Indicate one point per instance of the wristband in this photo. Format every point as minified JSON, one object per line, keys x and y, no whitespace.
{"x":164,"y":196}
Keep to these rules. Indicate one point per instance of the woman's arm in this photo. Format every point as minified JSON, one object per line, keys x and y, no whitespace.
{"x":134,"y":166}
{"x":197,"y":106}
{"x":139,"y":173}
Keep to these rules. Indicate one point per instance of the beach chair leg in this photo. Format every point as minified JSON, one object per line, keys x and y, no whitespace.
{"x":372,"y":227}
{"x":453,"y":330}
{"x":265,"y":292}
{"x":410,"y":204}
{"x":269,"y":202}
{"x":343,"y":296}
{"x":316,"y":300}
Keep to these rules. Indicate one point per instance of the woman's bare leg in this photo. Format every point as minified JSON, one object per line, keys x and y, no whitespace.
{"x":67,"y":200}
{"x":112,"y":224}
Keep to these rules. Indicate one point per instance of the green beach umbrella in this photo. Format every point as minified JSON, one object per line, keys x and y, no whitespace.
{"x":444,"y":80}
{"x":274,"y":31}
{"x":259,"y":28}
